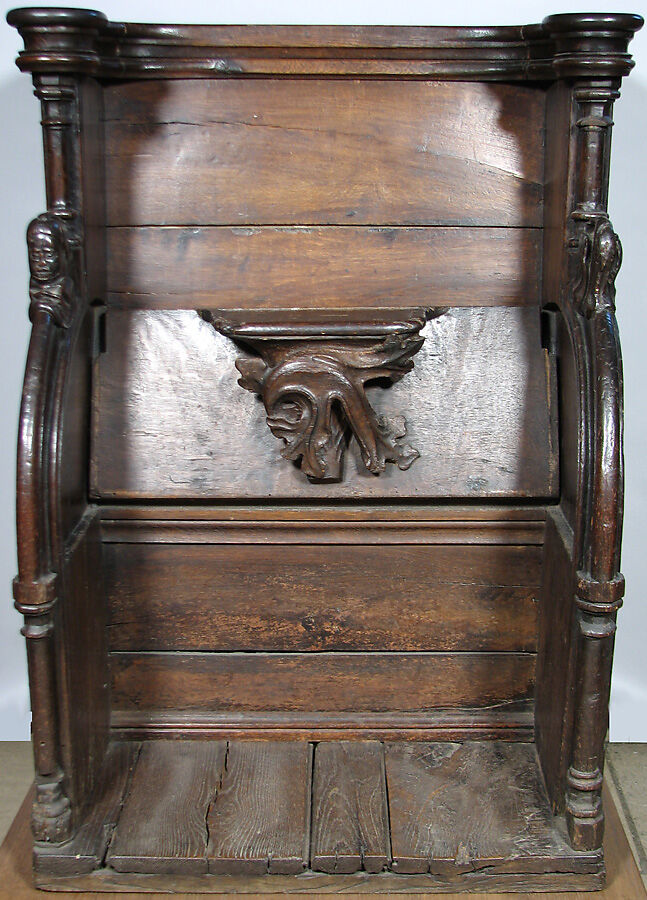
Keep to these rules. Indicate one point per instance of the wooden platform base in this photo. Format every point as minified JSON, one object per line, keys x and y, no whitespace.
{"x":217,"y":816}
{"x":623,"y":878}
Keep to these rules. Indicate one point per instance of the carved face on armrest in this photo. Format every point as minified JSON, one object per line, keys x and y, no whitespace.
{"x":51,"y":289}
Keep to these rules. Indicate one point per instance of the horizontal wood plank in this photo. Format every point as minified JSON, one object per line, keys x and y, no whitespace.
{"x":328,"y":682}
{"x":234,"y":152}
{"x":249,"y":597}
{"x":436,"y":516}
{"x":479,"y":407}
{"x":322,"y":267}
{"x":259,"y":822}
{"x":506,"y":720}
{"x":295,"y":529}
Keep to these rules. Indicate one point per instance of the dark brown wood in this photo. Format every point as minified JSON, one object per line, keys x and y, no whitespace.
{"x":553,"y":697}
{"x":322,"y":267}
{"x":315,"y":194}
{"x":259,"y":821}
{"x":312,"y":378}
{"x":84,"y":675}
{"x":350,"y":819}
{"x":330,"y":524}
{"x":326,"y":682}
{"x":487,"y":423}
{"x":228,"y":597}
{"x":87,"y":849}
{"x":162,"y":827}
{"x":489,"y":806}
{"x":486,"y":806}
{"x":506,"y":720}
{"x":622,"y":880}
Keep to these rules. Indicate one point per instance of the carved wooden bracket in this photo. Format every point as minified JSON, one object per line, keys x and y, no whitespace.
{"x":597,"y":253}
{"x":311,"y":371}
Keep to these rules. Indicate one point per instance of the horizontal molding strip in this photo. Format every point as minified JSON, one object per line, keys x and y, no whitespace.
{"x":323,"y":532}
{"x":511,"y":721}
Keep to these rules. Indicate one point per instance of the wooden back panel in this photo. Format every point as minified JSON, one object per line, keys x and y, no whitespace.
{"x":479,"y":406}
{"x":311,"y":194}
{"x":229,"y":152}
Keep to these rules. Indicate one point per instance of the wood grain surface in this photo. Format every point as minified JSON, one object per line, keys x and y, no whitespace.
{"x":162,"y":825}
{"x":259,"y":822}
{"x":237,"y":597}
{"x":316,"y":152}
{"x":555,"y":688}
{"x":322,"y":267}
{"x":87,"y":850}
{"x":479,"y":405}
{"x":623,"y":878}
{"x":479,"y":804}
{"x":325,"y":682}
{"x":350,"y":820}
{"x":83,"y":659}
{"x":492,"y":821}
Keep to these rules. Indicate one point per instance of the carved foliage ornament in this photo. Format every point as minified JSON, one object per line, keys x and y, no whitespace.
{"x":598,"y":256}
{"x":311,"y":377}
{"x":51,"y":289}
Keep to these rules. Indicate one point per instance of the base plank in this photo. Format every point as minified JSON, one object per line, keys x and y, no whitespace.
{"x":350,"y":830}
{"x":260,"y":820}
{"x":162,"y":826}
{"x":87,"y":850}
{"x":461,"y":807}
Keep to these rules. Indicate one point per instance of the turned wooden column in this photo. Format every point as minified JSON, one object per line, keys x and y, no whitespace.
{"x":591,"y":55}
{"x":56,"y":58}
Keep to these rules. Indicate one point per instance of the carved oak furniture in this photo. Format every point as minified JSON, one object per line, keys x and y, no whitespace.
{"x":320,"y":463}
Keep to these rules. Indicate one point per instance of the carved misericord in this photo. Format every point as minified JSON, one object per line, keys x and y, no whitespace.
{"x":311,"y":376}
{"x":51,"y":288}
{"x":598,"y":255}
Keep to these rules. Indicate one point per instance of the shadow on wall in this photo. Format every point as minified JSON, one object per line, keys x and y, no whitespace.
{"x":22,"y":197}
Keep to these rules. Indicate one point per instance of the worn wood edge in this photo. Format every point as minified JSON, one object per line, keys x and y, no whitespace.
{"x":88,"y":848}
{"x":309,"y":883}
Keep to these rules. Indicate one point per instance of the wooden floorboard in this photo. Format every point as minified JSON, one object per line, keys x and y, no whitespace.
{"x":487,"y":805}
{"x":350,"y":827}
{"x":623,"y":878}
{"x":162,"y":826}
{"x":221,"y":817}
{"x":259,"y":822}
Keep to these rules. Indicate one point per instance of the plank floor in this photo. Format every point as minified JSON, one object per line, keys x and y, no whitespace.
{"x":437,"y":814}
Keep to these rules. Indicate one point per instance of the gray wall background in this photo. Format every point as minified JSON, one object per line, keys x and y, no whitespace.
{"x":23,"y":197}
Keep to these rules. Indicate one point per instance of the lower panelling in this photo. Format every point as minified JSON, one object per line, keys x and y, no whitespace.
{"x":320,"y":597}
{"x":472,"y":816}
{"x":321,"y":692}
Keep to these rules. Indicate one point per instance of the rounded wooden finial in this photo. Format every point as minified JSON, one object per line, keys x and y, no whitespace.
{"x":592,"y":44}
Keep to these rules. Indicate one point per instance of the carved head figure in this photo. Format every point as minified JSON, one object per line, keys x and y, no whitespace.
{"x":47,"y":248}
{"x":51,"y":289}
